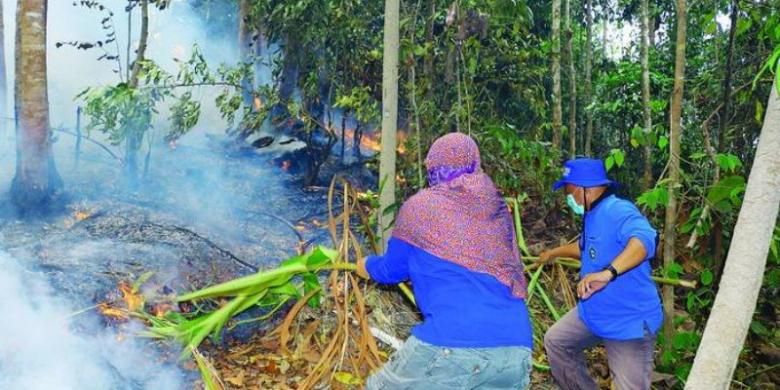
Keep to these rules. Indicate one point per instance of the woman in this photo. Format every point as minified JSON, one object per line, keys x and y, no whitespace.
{"x":455,"y":241}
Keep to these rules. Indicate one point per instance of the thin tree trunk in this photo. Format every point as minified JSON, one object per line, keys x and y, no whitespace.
{"x":3,"y":81}
{"x":722,"y":132}
{"x":727,"y":78}
{"x":245,"y":49}
{"x":429,"y":56}
{"x":589,"y":76}
{"x":646,"y":113}
{"x":142,"y":43}
{"x":556,"y":73}
{"x":36,"y":179}
{"x":735,"y":303}
{"x":134,"y":137}
{"x":389,"y":118}
{"x":572,"y":81}
{"x":675,"y":130}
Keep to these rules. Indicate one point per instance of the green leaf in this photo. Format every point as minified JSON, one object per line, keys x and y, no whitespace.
{"x":706,"y":277}
{"x":726,"y":189}
{"x":759,"y":329}
{"x":609,"y":162}
{"x":663,"y":142}
{"x":311,"y":283}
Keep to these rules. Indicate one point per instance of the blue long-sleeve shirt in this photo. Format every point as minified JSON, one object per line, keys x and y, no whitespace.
{"x":461,"y":308}
{"x":629,"y":305}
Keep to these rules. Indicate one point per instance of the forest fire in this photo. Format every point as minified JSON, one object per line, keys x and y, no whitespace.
{"x":119,"y":310}
{"x":372,"y":141}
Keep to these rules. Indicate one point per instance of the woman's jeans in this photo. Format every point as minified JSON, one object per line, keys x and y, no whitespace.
{"x":419,"y":365}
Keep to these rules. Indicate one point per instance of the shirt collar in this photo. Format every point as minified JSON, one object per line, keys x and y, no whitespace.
{"x":604,"y":195}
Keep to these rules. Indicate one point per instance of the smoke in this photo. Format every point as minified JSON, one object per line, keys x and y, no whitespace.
{"x":193,"y":186}
{"x":41,"y":349}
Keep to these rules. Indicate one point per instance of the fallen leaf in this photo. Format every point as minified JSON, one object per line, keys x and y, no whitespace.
{"x":347,"y":378}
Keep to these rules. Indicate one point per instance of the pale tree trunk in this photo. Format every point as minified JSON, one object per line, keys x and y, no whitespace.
{"x":572,"y":82}
{"x":675,"y":132}
{"x":36,"y":179}
{"x":589,"y":76}
{"x":647,"y":121}
{"x":556,"y":73}
{"x":389,"y":118}
{"x":733,"y":309}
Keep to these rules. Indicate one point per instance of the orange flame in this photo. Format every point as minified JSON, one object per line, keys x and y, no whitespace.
{"x":286,"y":165}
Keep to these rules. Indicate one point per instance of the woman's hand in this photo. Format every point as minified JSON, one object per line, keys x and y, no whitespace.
{"x":361,"y":269}
{"x":592,"y":283}
{"x":547,"y":256}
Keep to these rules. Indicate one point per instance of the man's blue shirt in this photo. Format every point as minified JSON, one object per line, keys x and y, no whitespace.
{"x":629,"y":305}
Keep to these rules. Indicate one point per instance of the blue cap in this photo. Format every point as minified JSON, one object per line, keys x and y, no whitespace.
{"x":584,"y":172}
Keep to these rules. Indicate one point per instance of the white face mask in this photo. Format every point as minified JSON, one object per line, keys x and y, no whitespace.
{"x":574,"y":206}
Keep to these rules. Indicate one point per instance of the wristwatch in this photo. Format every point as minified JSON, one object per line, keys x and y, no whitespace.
{"x":613,"y":271}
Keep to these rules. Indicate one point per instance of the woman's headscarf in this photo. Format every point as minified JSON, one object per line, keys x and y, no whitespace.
{"x":462,"y":217}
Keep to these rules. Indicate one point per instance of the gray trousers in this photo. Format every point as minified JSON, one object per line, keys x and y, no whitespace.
{"x":630,"y":361}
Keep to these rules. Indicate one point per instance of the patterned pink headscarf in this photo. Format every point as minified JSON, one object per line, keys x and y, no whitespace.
{"x":462,"y":217}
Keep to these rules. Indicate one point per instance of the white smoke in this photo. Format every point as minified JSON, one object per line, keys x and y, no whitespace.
{"x":39,"y":349}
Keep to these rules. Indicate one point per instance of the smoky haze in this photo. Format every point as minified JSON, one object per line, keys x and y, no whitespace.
{"x":53,"y":271}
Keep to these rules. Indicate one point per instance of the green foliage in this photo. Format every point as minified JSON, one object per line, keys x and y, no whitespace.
{"x":520,"y":164}
{"x":616,"y":158}
{"x":725,"y":194}
{"x":655,"y":197}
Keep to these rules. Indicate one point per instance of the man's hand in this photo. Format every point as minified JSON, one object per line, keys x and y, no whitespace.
{"x":592,"y":283}
{"x":361,"y":269}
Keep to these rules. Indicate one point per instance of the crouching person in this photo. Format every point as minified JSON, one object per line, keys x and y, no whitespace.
{"x":619,"y":305}
{"x":456,"y":243}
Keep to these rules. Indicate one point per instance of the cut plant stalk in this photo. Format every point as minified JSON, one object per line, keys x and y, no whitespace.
{"x":574,"y":263}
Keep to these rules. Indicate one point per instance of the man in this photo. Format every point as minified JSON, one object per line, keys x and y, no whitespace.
{"x":619,"y":304}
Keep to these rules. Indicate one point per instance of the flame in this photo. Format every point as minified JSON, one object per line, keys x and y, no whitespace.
{"x":132,"y":299}
{"x":286,"y":165}
{"x":258,"y":103}
{"x":372,"y":141}
{"x":161,"y":309}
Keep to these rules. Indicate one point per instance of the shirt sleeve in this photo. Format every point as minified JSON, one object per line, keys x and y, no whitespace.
{"x":632,"y":224}
{"x":393,"y":266}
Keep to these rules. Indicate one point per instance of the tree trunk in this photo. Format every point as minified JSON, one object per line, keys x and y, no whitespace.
{"x":134,"y":137}
{"x":572,"y":82}
{"x":429,"y":56}
{"x":556,"y":73}
{"x":735,"y":303}
{"x":675,"y":130}
{"x":36,"y":179}
{"x":647,"y":120}
{"x":142,"y":43}
{"x":389,"y":118}
{"x":589,"y":76}
{"x":727,"y":77}
{"x":723,"y":125}
{"x":3,"y":81}
{"x":245,"y":49}
{"x":289,"y":79}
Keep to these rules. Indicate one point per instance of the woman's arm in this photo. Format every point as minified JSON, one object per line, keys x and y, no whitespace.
{"x":391,"y":268}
